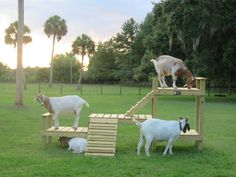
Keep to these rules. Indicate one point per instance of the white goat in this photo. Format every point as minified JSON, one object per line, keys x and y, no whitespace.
{"x":56,"y":105}
{"x":157,"y":129}
{"x":78,"y":145}
{"x":166,"y":65}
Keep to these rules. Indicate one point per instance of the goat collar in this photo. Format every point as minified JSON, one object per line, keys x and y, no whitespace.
{"x":180,"y":126}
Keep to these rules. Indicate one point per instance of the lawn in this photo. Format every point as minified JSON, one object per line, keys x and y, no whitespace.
{"x":21,"y":152}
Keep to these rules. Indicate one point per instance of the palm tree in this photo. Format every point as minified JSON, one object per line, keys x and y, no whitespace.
{"x":11,"y":39}
{"x":19,"y":68}
{"x":81,"y":46}
{"x":55,"y":27}
{"x":11,"y":34}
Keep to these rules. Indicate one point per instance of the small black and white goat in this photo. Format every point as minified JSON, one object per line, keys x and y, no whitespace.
{"x":64,"y":104}
{"x":161,"y":130}
{"x":166,"y":65}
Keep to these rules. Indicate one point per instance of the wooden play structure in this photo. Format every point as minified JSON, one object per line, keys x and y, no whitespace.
{"x":198,"y":92}
{"x":102,"y":130}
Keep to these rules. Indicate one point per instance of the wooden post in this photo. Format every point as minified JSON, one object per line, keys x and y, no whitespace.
{"x":154,"y":99}
{"x":47,"y":123}
{"x":200,"y":102}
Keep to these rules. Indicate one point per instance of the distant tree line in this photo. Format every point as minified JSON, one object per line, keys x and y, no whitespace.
{"x":200,"y":32}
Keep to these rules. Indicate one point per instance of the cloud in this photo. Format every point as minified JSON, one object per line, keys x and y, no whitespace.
{"x":99,"y":19}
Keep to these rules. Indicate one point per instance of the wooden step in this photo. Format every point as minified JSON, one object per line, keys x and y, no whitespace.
{"x":102,"y":135}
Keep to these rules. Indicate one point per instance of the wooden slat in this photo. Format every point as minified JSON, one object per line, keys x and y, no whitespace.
{"x":102,"y":120}
{"x":92,"y":115}
{"x":100,"y":149}
{"x":121,"y":116}
{"x":107,"y":116}
{"x":148,"y":116}
{"x":101,"y":138}
{"x":114,"y":116}
{"x":141,"y":116}
{"x":102,"y":132}
{"x":99,"y":115}
{"x":183,"y":91}
{"x":103,"y":126}
{"x":101,"y":154}
{"x":102,"y":144}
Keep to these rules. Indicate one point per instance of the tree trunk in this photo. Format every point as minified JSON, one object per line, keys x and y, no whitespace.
{"x":51,"y":64}
{"x":19,"y":68}
{"x":81,"y":73}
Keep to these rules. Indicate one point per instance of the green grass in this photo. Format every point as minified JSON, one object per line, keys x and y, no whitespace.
{"x":21,"y":152}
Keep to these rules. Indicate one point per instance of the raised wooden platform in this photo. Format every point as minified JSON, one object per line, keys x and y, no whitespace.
{"x":121,"y":117}
{"x":66,"y":131}
{"x":48,"y":131}
{"x":179,"y":91}
{"x":191,"y":135}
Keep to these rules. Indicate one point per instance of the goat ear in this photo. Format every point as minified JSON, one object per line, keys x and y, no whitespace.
{"x":180,"y":118}
{"x":153,"y":60}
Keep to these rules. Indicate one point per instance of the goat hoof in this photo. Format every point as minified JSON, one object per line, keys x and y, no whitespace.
{"x":75,"y":128}
{"x":56,"y":128}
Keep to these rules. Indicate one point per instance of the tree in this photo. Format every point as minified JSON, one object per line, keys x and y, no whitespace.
{"x":102,"y":65}
{"x":124,"y":41}
{"x":11,"y":34}
{"x":11,"y":39}
{"x":55,"y":27}
{"x":83,"y":45}
{"x":63,"y":65}
{"x":19,"y":68}
{"x":5,"y":73}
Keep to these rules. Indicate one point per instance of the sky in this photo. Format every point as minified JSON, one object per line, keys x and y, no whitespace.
{"x":99,"y":19}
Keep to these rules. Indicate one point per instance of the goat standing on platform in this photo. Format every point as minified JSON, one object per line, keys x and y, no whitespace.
{"x":166,"y":65}
{"x":65,"y":104}
{"x":157,"y":129}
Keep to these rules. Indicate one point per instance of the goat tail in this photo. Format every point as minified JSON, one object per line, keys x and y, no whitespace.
{"x":136,"y":122}
{"x":86,"y":103}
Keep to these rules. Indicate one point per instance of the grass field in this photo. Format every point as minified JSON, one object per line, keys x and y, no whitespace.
{"x":21,"y":152}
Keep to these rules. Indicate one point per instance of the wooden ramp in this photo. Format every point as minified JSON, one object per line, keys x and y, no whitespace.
{"x":102,"y":137}
{"x":140,"y":104}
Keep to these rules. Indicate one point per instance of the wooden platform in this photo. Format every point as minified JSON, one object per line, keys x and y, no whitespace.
{"x":191,"y":135}
{"x":102,"y":137}
{"x":121,"y":117}
{"x":66,"y":131}
{"x":179,"y":91}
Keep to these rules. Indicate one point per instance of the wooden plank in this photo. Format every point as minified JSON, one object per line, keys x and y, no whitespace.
{"x":103,"y":126}
{"x":92,"y":115}
{"x":99,"y":115}
{"x":102,"y":120}
{"x":107,"y":116}
{"x":101,"y":138}
{"x":102,"y":132}
{"x":101,"y":154}
{"x":100,"y":149}
{"x":148,"y":116}
{"x":101,"y":144}
{"x":127,"y":117}
{"x":191,"y":135}
{"x":114,"y":116}
{"x":121,"y":116}
{"x":141,"y":116}
{"x":183,"y":91}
